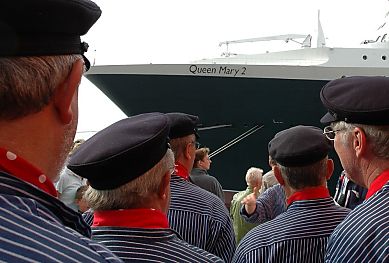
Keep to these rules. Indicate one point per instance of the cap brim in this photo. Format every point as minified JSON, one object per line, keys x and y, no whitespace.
{"x":86,"y":63}
{"x":327,"y":118}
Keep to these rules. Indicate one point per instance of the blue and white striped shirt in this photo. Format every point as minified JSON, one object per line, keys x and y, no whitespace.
{"x":201,"y":218}
{"x":364,"y":235}
{"x":149,"y":245}
{"x":298,"y":235}
{"x":88,"y":217}
{"x":37,"y":227}
{"x":269,"y":205}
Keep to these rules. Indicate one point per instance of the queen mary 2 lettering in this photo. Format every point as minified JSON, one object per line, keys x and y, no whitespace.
{"x":217,"y":70}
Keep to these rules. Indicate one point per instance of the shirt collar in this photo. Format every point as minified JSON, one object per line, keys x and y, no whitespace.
{"x":378,"y":183}
{"x":181,"y":171}
{"x":318,"y":192}
{"x":131,"y":218}
{"x":20,"y":168}
{"x":13,"y":186}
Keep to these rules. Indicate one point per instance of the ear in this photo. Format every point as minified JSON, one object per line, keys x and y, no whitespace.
{"x":67,"y":91}
{"x":359,"y":141}
{"x":187,"y":151}
{"x":330,"y":168}
{"x":164,"y":188}
{"x":277,"y":174}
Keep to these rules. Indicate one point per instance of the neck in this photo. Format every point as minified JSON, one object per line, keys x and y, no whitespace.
{"x":32,"y":138}
{"x":147,"y":218}
{"x":186,"y":163}
{"x":374,"y":169}
{"x":289,"y":191}
{"x":309,"y":193}
{"x":181,"y":171}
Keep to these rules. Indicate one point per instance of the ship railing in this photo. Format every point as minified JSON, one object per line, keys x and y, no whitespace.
{"x":236,"y":140}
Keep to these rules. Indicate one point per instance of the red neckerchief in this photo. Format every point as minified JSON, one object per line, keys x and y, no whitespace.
{"x":378,"y":183}
{"x":308,"y":194}
{"x":181,"y":171}
{"x":20,"y":168}
{"x":131,"y":218}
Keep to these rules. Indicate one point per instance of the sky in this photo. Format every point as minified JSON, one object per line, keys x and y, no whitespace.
{"x":179,"y":31}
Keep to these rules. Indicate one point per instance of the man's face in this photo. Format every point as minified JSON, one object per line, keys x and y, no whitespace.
{"x":193,"y":147}
{"x":69,"y":132}
{"x":343,"y":145}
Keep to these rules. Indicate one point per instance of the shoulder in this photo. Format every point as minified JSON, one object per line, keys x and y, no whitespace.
{"x":47,"y":240}
{"x":253,"y":242}
{"x":373,"y":213}
{"x":186,"y":196}
{"x":239,"y":195}
{"x":192,"y":192}
{"x":213,"y":179}
{"x":363,"y":233}
{"x":196,"y":254}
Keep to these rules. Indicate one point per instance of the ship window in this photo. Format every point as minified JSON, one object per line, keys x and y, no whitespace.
{"x":383,"y":57}
{"x":364,"y":57}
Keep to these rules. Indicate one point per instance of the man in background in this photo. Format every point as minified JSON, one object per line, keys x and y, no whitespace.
{"x":199,"y":174}
{"x":347,"y":193}
{"x":201,"y":219}
{"x":41,"y":62}
{"x":268,"y":179}
{"x":258,"y":209}
{"x":254,"y":181}
{"x":300,"y":234}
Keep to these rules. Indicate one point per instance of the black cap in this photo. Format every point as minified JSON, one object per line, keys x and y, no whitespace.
{"x":45,"y":27}
{"x":182,"y":124}
{"x":358,"y":99}
{"x":299,"y":146}
{"x":123,"y":151}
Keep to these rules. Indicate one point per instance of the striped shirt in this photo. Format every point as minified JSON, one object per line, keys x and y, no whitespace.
{"x":364,"y":234}
{"x":37,"y":227}
{"x":88,"y":216}
{"x":348,"y":193}
{"x":298,"y":235}
{"x":269,"y":205}
{"x":201,"y":218}
{"x":149,"y":245}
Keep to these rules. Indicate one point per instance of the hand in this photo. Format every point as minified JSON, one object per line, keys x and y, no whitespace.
{"x":250,"y":201}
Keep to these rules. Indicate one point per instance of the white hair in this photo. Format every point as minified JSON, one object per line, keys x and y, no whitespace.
{"x":253,"y":176}
{"x":377,"y":136}
{"x":133,"y":193}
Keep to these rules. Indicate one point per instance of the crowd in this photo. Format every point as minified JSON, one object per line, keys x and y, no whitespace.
{"x":141,"y":201}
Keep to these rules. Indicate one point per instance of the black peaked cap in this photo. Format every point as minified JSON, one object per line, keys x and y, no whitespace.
{"x":123,"y":151}
{"x":45,"y":27}
{"x":299,"y":146}
{"x":182,"y":124}
{"x":358,"y":99}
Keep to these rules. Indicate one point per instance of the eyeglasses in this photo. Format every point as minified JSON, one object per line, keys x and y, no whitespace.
{"x":329,"y":132}
{"x":196,"y":144}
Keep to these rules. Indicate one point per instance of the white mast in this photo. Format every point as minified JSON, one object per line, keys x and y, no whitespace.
{"x":321,"y":41}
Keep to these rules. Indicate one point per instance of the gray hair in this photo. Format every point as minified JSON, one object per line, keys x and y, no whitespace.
{"x":178,"y":145}
{"x":28,"y":83}
{"x":132,"y":194}
{"x":305,"y":176}
{"x":377,"y":136}
{"x":253,"y":176}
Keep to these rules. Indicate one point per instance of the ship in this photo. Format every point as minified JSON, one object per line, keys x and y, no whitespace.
{"x":242,"y":100}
